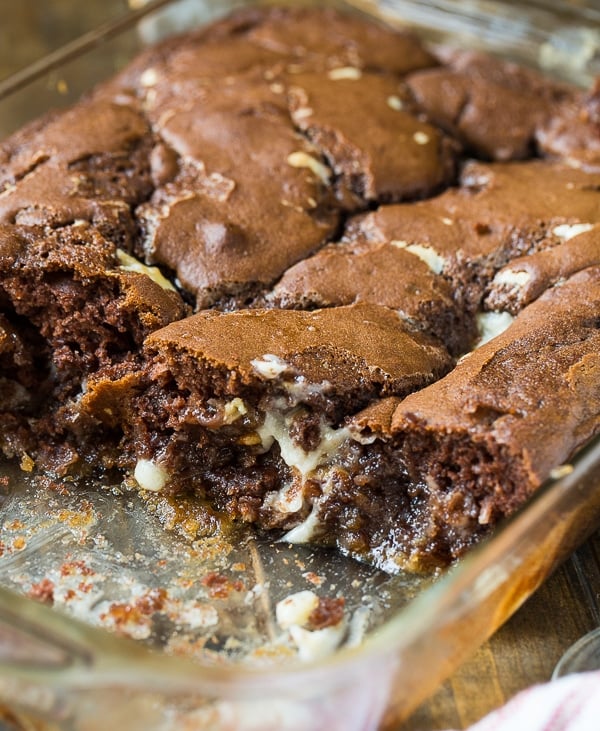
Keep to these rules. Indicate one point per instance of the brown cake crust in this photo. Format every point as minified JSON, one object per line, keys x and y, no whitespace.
{"x":499,"y":211}
{"x":527,"y":277}
{"x":494,"y":107}
{"x":344,"y":273}
{"x":243,"y":182}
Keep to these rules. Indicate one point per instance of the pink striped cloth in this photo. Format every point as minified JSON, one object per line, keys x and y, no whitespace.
{"x":571,"y":703}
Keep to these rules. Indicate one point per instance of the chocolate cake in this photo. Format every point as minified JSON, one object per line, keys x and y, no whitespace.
{"x":325,"y":279}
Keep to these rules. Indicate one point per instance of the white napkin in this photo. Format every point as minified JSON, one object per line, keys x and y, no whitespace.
{"x":571,"y":703}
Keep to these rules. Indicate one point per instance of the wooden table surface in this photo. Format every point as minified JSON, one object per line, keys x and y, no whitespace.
{"x":525,"y":650}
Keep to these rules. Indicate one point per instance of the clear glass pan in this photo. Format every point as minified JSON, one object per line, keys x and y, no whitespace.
{"x":194,"y":644}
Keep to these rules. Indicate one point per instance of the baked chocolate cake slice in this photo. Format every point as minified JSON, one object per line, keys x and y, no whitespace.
{"x":246,"y":407}
{"x":499,"y":211}
{"x":384,"y":273}
{"x":527,"y":277}
{"x":378,"y":149}
{"x":496,"y":108}
{"x":423,"y":478}
{"x":72,"y":304}
{"x":89,"y":163}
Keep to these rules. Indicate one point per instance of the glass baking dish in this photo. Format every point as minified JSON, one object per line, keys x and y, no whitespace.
{"x":156,"y":627}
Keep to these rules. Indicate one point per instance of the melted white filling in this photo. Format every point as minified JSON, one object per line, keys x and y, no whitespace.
{"x":304,"y":160}
{"x":269,"y":366}
{"x":568,"y":231}
{"x":129,"y":263}
{"x":275,"y":428}
{"x":301,"y":389}
{"x":289,"y":499}
{"x":512,"y":278}
{"x":491,"y":324}
{"x":304,"y":532}
{"x":307,"y":530}
{"x":430,"y":256}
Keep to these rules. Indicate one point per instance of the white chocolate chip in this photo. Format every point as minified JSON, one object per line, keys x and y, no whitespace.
{"x":512,"y":278}
{"x":421,"y":138}
{"x":304,"y":160}
{"x":433,"y":260}
{"x":561,"y":471}
{"x":150,"y":476}
{"x":303,"y":113}
{"x":568,"y":231}
{"x":129,"y":263}
{"x":492,"y":324}
{"x":289,"y":204}
{"x":317,"y":644}
{"x":233,"y":410}
{"x":296,"y":608}
{"x":149,"y":77}
{"x":395,"y":103}
{"x":9,"y":190}
{"x":345,"y":72}
{"x":269,"y":366}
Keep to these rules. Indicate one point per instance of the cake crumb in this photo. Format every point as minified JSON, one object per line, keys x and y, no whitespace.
{"x":26,"y":464}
